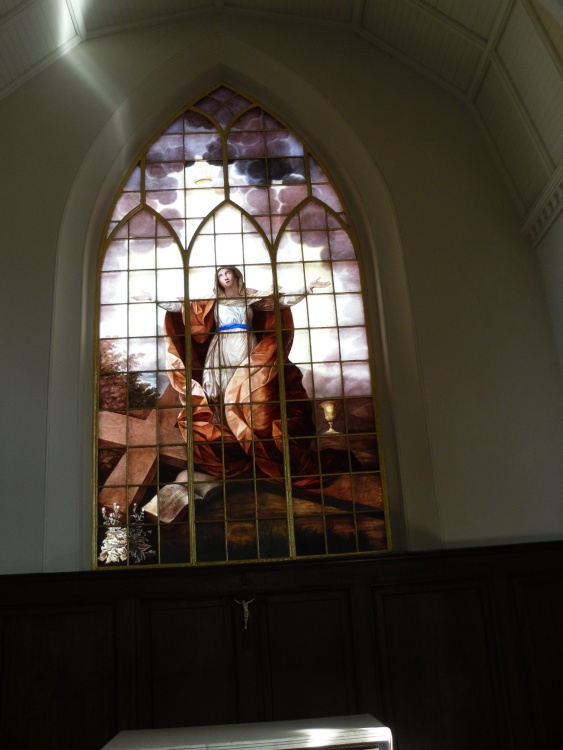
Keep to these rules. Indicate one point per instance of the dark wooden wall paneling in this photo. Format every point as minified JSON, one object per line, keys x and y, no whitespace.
{"x":455,"y":650}
{"x":439,"y":659}
{"x":540,"y":618}
{"x":58,"y":677}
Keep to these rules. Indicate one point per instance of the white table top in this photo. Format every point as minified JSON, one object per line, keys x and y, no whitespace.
{"x":275,"y":735}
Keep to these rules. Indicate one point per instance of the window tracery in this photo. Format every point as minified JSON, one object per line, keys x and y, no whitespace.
{"x":236,"y":416}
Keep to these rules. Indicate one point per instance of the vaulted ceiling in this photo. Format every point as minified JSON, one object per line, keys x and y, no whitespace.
{"x":504,"y":58}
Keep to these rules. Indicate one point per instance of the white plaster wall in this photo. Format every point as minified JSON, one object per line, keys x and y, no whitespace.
{"x":550,"y":253}
{"x":467,"y":368}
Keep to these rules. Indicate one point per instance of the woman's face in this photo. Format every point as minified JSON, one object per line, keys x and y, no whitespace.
{"x":226,"y":278}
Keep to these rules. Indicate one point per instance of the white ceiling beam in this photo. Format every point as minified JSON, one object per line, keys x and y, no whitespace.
{"x":492,"y":43}
{"x":524,"y":115}
{"x":358,"y":13}
{"x":145,"y":22}
{"x":547,"y":205}
{"x":410,"y":63}
{"x":16,"y":11}
{"x":555,"y":9}
{"x":32,"y":71}
{"x":501,"y":166}
{"x":448,"y":22}
{"x":544,"y":36}
{"x":263,"y":13}
{"x":75,"y":10}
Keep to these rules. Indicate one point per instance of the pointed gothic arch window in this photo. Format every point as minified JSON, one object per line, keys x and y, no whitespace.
{"x":236,"y":415}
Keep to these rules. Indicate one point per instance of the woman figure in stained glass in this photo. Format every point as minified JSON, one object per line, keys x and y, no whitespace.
{"x":235,"y":383}
{"x":234,"y":338}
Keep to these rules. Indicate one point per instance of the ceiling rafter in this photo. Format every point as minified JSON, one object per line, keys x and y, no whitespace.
{"x":357,"y":13}
{"x":75,"y":10}
{"x":523,"y":113}
{"x":141,"y":23}
{"x":492,"y":42}
{"x":457,"y":59}
{"x":447,"y":21}
{"x":544,"y":36}
{"x":409,"y":62}
{"x":17,"y":10}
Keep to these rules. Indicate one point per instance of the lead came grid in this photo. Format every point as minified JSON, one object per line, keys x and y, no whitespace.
{"x":256,"y":441}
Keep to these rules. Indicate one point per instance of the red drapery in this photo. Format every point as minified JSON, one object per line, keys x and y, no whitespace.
{"x":249,"y":427}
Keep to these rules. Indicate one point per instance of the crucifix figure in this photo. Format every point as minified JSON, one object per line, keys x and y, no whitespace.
{"x":244,"y":603}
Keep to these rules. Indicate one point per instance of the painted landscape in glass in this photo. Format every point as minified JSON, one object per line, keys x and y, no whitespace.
{"x":236,"y":416}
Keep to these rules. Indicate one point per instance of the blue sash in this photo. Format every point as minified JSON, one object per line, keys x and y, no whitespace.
{"x":233,"y":326}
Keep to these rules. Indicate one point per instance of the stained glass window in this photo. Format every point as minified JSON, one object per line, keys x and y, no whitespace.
{"x":236,"y":415}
